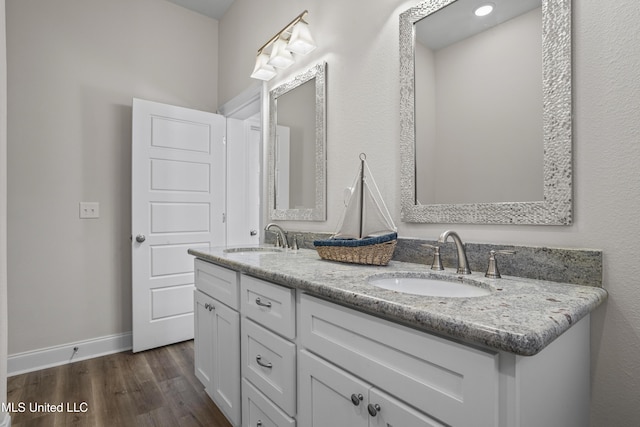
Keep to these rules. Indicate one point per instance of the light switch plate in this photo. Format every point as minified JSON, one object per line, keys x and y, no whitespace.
{"x":89,"y":210}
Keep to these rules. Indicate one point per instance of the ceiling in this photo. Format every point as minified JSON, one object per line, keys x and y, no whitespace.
{"x":212,"y":8}
{"x":456,"y":21}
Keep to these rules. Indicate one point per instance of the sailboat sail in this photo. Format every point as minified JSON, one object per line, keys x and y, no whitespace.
{"x":365,"y":213}
{"x":367,"y":234}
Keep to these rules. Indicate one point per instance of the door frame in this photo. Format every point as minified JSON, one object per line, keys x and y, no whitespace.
{"x":246,"y":104}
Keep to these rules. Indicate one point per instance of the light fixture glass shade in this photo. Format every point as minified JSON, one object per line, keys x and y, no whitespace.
{"x":301,"y":41}
{"x":262,"y":70}
{"x":280,"y":57}
{"x":484,"y":10}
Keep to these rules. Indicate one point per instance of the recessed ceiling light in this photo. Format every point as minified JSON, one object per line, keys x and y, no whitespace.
{"x":484,"y":10}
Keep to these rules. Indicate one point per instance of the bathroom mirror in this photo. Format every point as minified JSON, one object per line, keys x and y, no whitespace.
{"x":297,"y":147}
{"x":485,"y":113}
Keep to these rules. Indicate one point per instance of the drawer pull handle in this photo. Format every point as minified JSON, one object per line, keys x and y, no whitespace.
{"x":263,"y":364}
{"x":373,"y":409}
{"x":356,"y":399}
{"x":263,"y":304}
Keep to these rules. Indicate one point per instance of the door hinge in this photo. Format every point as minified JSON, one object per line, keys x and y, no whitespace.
{"x":224,"y":217}
{"x":224,"y":140}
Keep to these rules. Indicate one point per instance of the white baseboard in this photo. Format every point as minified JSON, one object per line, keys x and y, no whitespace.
{"x":34,"y":360}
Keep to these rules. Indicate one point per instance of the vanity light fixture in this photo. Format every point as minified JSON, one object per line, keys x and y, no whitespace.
{"x":280,"y":56}
{"x":484,"y":10}
{"x":301,"y":41}
{"x":262,"y":70}
{"x":295,"y":37}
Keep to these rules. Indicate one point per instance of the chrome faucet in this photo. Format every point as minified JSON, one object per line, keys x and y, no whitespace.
{"x":463,"y":264}
{"x":280,"y":233}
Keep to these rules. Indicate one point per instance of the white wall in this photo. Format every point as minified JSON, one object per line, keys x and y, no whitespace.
{"x":3,"y":213}
{"x":73,"y":69}
{"x":359,"y":40}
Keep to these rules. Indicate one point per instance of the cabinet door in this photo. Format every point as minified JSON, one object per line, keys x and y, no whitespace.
{"x":217,"y":353}
{"x":387,"y":411}
{"x":325,"y":395}
{"x":225,"y":381}
{"x":203,"y":338}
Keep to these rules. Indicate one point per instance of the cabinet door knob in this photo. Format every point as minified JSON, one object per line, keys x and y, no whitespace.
{"x":263,"y":364}
{"x":206,"y":306}
{"x":373,"y":409}
{"x":263,"y":304}
{"x":259,"y":423}
{"x":356,"y":399}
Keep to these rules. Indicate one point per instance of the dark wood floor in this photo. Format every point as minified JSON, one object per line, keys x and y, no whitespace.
{"x":152,"y":388}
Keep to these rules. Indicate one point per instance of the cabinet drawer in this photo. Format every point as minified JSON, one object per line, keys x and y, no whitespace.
{"x":270,"y":305}
{"x":217,"y":282}
{"x":257,"y":410}
{"x":269,"y":363}
{"x":452,"y":382}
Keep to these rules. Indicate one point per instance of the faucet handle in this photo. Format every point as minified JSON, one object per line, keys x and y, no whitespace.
{"x":295,"y":246}
{"x":437,"y":260}
{"x":492,"y":268}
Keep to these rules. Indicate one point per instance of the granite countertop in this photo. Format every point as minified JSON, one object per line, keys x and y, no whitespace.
{"x":520,"y":316}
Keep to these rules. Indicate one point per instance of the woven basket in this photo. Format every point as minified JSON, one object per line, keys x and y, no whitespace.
{"x":378,"y":254}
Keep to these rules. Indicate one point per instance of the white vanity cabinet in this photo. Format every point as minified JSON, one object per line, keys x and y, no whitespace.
{"x":268,"y":353}
{"x":455,"y":384}
{"x":217,"y":337}
{"x":273,"y":356}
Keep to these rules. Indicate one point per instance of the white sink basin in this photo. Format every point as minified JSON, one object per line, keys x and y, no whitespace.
{"x":428,"y":286}
{"x":256,"y":249}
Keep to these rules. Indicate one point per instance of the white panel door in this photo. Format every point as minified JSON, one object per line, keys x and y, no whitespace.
{"x":243,"y":195}
{"x":178,"y":202}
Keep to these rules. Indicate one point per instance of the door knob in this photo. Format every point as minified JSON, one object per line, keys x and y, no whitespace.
{"x":140,"y":238}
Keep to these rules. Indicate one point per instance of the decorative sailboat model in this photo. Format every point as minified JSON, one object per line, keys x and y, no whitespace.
{"x":367,"y":234}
